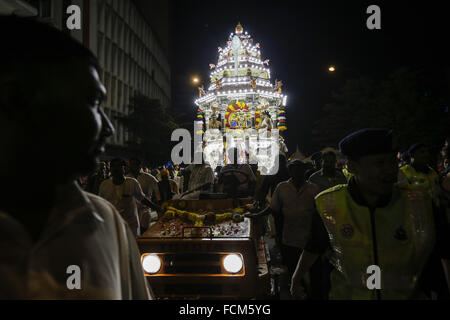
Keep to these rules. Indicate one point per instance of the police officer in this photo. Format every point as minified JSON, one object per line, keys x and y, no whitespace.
{"x":419,"y":171}
{"x":372,"y":221}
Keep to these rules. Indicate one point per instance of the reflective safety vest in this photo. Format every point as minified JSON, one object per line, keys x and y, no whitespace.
{"x":347,"y":174}
{"x":398,"y":238}
{"x":429,"y":181}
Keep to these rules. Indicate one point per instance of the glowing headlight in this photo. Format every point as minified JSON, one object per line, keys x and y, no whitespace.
{"x":232,"y":263}
{"x":151,"y":263}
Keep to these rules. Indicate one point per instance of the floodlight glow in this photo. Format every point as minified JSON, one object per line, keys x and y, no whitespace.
{"x":151,"y":263}
{"x":233,"y":263}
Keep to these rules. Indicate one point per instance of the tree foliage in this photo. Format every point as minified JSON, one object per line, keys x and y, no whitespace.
{"x":150,"y":126}
{"x":406,"y":102}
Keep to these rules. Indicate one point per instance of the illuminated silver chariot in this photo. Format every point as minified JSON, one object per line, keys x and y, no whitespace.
{"x":241,"y":108}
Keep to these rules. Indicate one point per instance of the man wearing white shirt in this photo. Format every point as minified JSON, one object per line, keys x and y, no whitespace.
{"x":149,"y":185}
{"x":124,"y":193}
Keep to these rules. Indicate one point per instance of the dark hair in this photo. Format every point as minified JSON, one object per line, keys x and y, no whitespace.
{"x":416,"y":146}
{"x":297,"y":163}
{"x":139,"y":162}
{"x":329,"y":153}
{"x":316,"y":155}
{"x":117,"y":160}
{"x":33,"y":48}
{"x":26,"y":41}
{"x":282,"y":158}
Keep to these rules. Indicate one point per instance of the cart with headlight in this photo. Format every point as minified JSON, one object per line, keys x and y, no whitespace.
{"x":206,"y":249}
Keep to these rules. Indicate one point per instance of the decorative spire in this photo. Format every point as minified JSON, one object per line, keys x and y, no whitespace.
{"x":239,"y":29}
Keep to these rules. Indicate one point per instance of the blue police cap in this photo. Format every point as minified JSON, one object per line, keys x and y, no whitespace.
{"x":366,"y":142}
{"x":297,"y":163}
{"x":416,"y":146}
{"x":316,"y":156}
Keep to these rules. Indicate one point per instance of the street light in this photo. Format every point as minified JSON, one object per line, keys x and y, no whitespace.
{"x":195,"y":80}
{"x":331,"y":68}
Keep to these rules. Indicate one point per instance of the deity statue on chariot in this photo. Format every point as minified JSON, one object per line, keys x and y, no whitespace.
{"x":242,"y":103}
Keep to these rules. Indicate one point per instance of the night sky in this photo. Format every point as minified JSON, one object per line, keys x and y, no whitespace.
{"x":301,"y":39}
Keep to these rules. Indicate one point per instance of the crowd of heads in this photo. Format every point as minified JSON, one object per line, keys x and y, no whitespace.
{"x":353,"y":147}
{"x":118,"y":167}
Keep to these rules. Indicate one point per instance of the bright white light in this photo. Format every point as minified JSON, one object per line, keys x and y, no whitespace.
{"x":151,"y":263}
{"x":233,"y":263}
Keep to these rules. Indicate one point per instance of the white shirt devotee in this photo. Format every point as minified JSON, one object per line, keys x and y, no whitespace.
{"x":124,"y":197}
{"x":149,"y":185}
{"x":297,"y":207}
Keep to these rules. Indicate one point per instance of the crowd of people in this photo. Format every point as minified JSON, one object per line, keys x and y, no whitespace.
{"x":306,"y":202}
{"x":291,"y":197}
{"x":377,"y":210}
{"x":332,"y":223}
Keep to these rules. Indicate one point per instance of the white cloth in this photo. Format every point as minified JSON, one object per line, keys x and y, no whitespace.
{"x":124,"y":197}
{"x":82,"y":230}
{"x":149,"y":185}
{"x":200,"y":175}
{"x":179,"y":182}
{"x":297,"y":208}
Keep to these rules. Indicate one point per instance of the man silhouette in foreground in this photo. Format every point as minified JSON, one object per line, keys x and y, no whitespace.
{"x":50,"y":113}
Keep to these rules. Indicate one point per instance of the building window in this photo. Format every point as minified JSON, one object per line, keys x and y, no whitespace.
{"x":100,"y":47}
{"x":125,"y":71}
{"x":138,"y":78}
{"x":119,"y":63}
{"x":108,"y":88}
{"x":119,"y":33}
{"x":114,"y":59}
{"x":107,"y":21}
{"x":113,"y":28}
{"x":107,"y":54}
{"x":124,"y":34}
{"x":126,"y":11}
{"x":101,"y":14}
{"x":100,"y":74}
{"x":121,"y":7}
{"x":134,"y":74}
{"x":130,"y":44}
{"x":119,"y":95}
{"x":113,"y":91}
{"x":119,"y":132}
{"x":116,"y":125}
{"x":45,"y":8}
{"x":131,"y":19}
{"x":125,"y":98}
